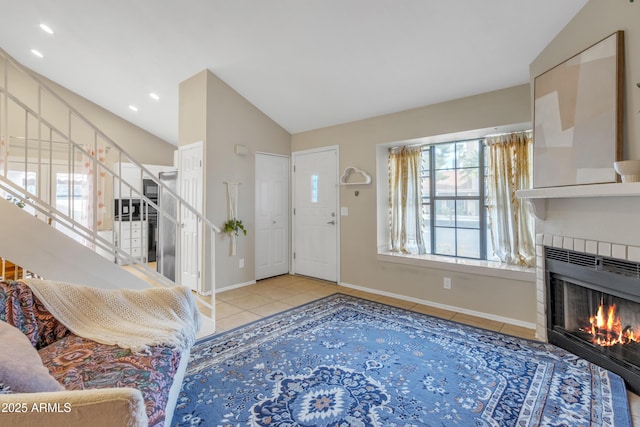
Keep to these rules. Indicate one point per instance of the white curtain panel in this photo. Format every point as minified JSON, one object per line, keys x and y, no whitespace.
{"x":405,"y":201}
{"x":510,"y":221}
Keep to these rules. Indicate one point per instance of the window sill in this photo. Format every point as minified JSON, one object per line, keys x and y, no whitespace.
{"x":483,"y":268}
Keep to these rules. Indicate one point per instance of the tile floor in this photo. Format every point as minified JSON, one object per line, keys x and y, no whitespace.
{"x":247,"y":304}
{"x":243,"y":305}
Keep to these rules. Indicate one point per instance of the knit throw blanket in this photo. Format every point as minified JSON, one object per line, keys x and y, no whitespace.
{"x":133,"y":319}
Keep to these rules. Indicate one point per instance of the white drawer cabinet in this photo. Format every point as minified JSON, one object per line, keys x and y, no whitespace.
{"x":131,"y":237}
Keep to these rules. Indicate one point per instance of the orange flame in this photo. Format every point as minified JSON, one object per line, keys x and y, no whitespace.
{"x":607,"y":330}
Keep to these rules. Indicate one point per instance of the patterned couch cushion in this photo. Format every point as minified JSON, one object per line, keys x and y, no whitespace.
{"x":78,"y":364}
{"x":21,"y":308}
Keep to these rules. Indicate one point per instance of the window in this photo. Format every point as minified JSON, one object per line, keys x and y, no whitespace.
{"x":68,"y":190}
{"x":454,"y":209}
{"x":25,"y":179}
{"x":464,"y":190}
{"x":314,"y":188}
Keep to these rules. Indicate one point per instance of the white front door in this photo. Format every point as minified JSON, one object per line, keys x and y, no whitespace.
{"x":191,"y":189}
{"x":315,"y":217}
{"x":272,"y":215}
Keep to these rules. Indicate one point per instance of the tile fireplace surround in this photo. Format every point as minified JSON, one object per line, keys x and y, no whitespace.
{"x":594,"y":247}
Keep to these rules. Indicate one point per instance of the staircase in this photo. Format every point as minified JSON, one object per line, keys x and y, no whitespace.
{"x":58,"y":174}
{"x":10,"y":271}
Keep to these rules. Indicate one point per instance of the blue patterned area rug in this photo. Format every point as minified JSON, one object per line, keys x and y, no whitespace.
{"x":345,"y":361}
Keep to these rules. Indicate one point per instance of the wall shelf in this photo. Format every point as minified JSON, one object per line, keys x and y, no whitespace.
{"x":537,"y":197}
{"x":365,"y":178}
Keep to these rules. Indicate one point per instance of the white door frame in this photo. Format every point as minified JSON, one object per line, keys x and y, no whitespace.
{"x":293,"y":203}
{"x":289,"y":225}
{"x":200,"y":261}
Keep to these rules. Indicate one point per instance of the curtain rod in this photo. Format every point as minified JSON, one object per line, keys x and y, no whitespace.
{"x":506,"y":133}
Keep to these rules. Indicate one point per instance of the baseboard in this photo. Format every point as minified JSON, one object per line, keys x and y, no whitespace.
{"x":489,"y":316}
{"x":236,"y":286}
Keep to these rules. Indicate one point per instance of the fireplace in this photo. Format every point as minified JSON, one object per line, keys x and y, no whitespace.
{"x":593,"y":309}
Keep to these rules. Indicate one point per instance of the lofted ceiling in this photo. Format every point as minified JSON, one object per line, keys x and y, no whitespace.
{"x":307,"y":64}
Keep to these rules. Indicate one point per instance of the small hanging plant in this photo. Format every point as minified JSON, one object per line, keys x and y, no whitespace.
{"x":234,"y":226}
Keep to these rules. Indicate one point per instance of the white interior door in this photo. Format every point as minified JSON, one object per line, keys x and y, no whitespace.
{"x":316,"y":251}
{"x":191,"y":190}
{"x":272,"y":215}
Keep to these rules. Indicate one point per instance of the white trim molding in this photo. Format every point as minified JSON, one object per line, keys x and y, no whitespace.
{"x":236,"y":286}
{"x":483,"y":315}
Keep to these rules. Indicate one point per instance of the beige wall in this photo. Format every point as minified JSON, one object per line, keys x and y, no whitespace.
{"x":136,"y":142}
{"x":140,"y":144}
{"x":143,"y":146}
{"x":229,"y":120}
{"x":604,"y":219}
{"x":359,"y":265}
{"x":192,"y":114}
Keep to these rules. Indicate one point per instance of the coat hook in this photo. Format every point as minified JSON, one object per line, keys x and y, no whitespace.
{"x":356,"y":193}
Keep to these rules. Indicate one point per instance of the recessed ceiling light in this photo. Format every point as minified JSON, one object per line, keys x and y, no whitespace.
{"x":154,"y":95}
{"x":37,"y":53}
{"x":133,"y":108}
{"x":47,"y":29}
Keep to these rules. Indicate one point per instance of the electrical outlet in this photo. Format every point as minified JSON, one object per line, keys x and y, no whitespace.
{"x":447,"y":282}
{"x":241,"y":263}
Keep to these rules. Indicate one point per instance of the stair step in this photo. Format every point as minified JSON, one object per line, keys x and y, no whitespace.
{"x":11,"y":271}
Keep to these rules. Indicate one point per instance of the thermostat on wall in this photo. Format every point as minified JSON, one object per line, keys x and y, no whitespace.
{"x":241,"y":150}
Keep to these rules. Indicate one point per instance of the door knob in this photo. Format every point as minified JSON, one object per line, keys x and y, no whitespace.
{"x":332,"y":222}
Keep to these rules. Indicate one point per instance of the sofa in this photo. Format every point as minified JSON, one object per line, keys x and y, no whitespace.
{"x":54,"y":377}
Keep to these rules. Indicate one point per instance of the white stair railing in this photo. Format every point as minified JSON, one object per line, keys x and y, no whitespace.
{"x":64,"y":170}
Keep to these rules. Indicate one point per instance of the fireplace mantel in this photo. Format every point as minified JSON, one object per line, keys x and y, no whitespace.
{"x":538,"y":196}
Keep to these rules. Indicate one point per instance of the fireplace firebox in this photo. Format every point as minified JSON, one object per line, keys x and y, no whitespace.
{"x":593,"y":310}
